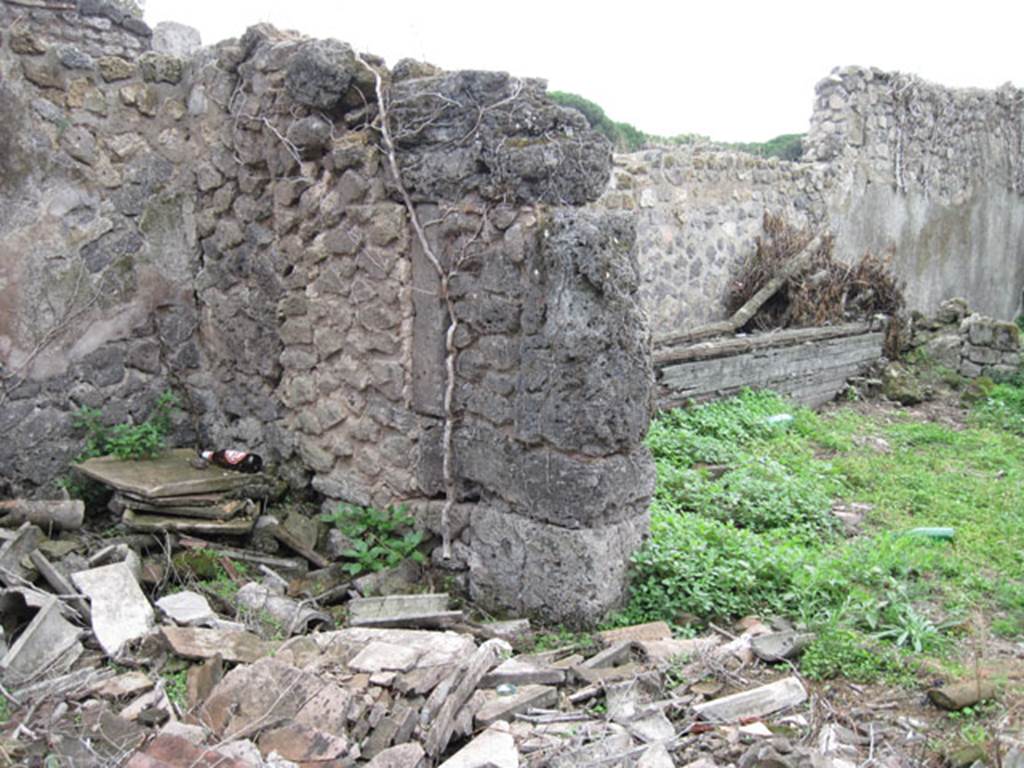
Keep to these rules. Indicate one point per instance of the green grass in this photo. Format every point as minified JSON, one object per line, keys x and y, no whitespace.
{"x":760,"y":539}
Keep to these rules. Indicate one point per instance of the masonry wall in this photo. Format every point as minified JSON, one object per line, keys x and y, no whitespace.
{"x":892,"y":164}
{"x":226,"y":224}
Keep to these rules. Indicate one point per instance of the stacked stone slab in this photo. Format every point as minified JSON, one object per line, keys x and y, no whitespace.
{"x":240,"y":238}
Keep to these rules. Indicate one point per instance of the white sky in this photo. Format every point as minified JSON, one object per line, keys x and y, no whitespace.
{"x":730,"y":69}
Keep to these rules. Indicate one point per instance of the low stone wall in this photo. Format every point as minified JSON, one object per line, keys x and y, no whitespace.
{"x":810,"y":366}
{"x":970,"y":344}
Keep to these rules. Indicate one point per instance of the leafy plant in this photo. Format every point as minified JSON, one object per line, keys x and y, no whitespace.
{"x":176,"y":688}
{"x":844,"y":652}
{"x":126,"y":441}
{"x":380,"y":538}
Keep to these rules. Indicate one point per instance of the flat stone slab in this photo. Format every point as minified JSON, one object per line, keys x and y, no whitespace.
{"x":170,"y":474}
{"x":48,"y":641}
{"x":494,"y":748}
{"x":187,"y":608}
{"x":506,"y":707}
{"x":757,"y":702}
{"x":401,"y":610}
{"x":523,"y":672}
{"x":150,"y":523}
{"x":231,"y":645}
{"x":382,"y":657}
{"x":120,"y":611}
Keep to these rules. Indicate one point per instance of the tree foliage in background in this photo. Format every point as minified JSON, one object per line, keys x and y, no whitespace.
{"x":626,"y":137}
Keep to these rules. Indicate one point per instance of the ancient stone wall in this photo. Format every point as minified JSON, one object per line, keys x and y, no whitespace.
{"x":231,"y":228}
{"x":698,"y":210}
{"x":892,"y":164}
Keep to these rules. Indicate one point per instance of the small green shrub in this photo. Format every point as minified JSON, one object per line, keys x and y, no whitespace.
{"x":176,"y":688}
{"x":1002,"y":408}
{"x":846,"y":653}
{"x":126,"y":441}
{"x":380,"y":538}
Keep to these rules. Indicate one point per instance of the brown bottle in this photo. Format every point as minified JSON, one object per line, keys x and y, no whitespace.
{"x":239,"y":461}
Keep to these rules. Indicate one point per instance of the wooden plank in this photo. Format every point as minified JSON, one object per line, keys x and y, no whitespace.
{"x":738,"y":345}
{"x":170,"y":474}
{"x":757,"y":702}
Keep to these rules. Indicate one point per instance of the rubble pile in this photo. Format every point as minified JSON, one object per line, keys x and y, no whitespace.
{"x":164,"y":649}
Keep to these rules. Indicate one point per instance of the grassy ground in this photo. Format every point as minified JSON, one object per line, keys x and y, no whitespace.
{"x":743,"y":524}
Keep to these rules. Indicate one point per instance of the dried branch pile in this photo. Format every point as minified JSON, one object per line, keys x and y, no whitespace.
{"x":824,"y":291}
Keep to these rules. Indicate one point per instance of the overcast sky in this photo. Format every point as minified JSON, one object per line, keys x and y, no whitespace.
{"x":736,"y":71}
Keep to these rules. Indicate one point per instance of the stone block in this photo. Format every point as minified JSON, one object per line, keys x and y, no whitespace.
{"x":981,"y":355}
{"x":532,"y":568}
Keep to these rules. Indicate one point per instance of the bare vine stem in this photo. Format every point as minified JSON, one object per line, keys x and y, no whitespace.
{"x":444,"y":276}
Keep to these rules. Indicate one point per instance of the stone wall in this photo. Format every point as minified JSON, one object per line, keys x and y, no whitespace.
{"x":226,"y":225}
{"x":967,"y":342}
{"x":892,"y":164}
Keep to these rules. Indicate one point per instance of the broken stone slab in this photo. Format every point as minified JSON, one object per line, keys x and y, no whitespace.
{"x":652,"y":728}
{"x":194,"y":734}
{"x":962,"y":694}
{"x":652,"y":631}
{"x":237,"y":526}
{"x":656,"y":756}
{"x":757,"y":702}
{"x":297,"y":545}
{"x":409,"y":755}
{"x":252,"y":696}
{"x":153,"y":699}
{"x":506,"y":707}
{"x":665,"y":651}
{"x":61,"y":585}
{"x":494,"y":748}
{"x":382,"y":656}
{"x":402,"y":579}
{"x":120,"y":611}
{"x":48,"y":644}
{"x":518,"y":671}
{"x":427,"y":610}
{"x":225,"y":510}
{"x":123,"y":686}
{"x":229,"y":644}
{"x":294,"y":617}
{"x":779,"y":646}
{"x":395,"y":728}
{"x":170,"y":474}
{"x":59,"y":515}
{"x":615,"y":654}
{"x":174,"y":751}
{"x":14,"y":551}
{"x":187,"y":608}
{"x":509,"y":631}
{"x":302,"y":743}
{"x":201,"y":679}
{"x":608,"y":674}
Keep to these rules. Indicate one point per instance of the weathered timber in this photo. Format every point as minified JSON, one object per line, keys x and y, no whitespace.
{"x":63,"y":515}
{"x":809,"y":372}
{"x":789,"y":337}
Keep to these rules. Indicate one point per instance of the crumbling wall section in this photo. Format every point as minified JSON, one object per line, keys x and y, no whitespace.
{"x":935,"y":174}
{"x":272,"y":272}
{"x":96,"y":245}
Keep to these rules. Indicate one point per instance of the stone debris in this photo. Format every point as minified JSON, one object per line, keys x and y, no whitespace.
{"x":120,"y":611}
{"x":430,"y":610}
{"x":49,"y":644}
